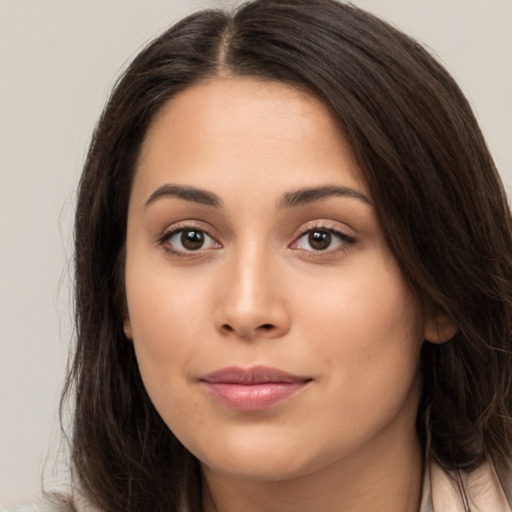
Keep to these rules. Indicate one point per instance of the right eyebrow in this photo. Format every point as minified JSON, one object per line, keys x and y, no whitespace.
{"x":310,"y":195}
{"x":193,"y":194}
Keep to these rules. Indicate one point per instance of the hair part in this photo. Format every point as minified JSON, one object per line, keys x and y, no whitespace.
{"x":438,"y":198}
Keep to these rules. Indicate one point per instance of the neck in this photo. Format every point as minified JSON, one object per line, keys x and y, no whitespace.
{"x":388,"y":481}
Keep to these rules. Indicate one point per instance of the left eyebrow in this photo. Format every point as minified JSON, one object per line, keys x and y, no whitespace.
{"x":310,"y":195}
{"x":193,"y":194}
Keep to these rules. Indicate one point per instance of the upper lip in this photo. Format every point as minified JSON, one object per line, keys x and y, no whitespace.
{"x":253,"y":375}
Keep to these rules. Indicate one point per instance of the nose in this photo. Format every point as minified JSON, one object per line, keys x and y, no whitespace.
{"x":251,"y":301}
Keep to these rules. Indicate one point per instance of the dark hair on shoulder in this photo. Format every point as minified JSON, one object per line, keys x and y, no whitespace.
{"x":435,"y":187}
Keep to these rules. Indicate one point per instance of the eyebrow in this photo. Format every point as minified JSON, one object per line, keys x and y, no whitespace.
{"x":310,"y":195}
{"x":193,"y":194}
{"x":289,"y":200}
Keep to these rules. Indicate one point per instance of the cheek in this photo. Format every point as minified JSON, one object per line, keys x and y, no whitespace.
{"x":368,"y":329}
{"x":162,"y":302}
{"x":369,"y":308}
{"x":167,"y":317}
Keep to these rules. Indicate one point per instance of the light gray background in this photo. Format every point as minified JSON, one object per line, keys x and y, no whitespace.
{"x":58,"y":59}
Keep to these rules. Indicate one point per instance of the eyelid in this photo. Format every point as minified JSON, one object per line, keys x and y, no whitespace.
{"x":191,"y":225}
{"x":346,"y":240}
{"x":324,"y":225}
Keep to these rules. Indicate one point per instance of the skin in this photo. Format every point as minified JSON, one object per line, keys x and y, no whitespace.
{"x":258,"y":293}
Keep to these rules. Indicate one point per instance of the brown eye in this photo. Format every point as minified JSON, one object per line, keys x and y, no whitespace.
{"x":192,"y":239}
{"x":188,"y":240}
{"x":319,"y":240}
{"x":325,"y":240}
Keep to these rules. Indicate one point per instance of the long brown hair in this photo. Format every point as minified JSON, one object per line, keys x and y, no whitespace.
{"x":438,"y":197}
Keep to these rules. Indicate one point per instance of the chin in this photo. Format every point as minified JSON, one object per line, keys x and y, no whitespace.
{"x":265,"y":459}
{"x":267,"y":468}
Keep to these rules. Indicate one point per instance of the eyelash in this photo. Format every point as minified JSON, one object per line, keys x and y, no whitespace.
{"x":165,"y":239}
{"x":344,"y":241}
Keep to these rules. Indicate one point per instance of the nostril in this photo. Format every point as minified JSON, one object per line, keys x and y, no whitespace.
{"x":248,"y":333}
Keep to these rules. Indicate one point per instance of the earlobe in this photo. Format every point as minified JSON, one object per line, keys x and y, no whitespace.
{"x":439,"y":328}
{"x":127,"y":328}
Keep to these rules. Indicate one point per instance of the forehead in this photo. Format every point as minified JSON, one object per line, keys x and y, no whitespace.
{"x":247,"y":97}
{"x":240,"y":129}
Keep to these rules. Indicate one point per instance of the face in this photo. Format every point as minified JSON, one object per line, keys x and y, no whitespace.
{"x":273,"y":329}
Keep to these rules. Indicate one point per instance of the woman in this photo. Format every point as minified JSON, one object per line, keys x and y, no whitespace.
{"x":293,"y":276}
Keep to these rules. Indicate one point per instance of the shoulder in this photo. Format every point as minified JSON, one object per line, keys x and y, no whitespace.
{"x":505,"y":476}
{"x":43,"y":505}
{"x":52,"y":503}
{"x":487,"y":489}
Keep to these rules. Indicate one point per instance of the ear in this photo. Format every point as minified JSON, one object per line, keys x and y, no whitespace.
{"x":127,"y":328}
{"x":439,"y":327}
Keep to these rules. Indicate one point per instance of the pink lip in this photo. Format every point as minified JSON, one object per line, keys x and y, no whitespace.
{"x":253,"y":389}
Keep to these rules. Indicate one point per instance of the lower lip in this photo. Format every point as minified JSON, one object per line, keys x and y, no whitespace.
{"x":253,"y":397}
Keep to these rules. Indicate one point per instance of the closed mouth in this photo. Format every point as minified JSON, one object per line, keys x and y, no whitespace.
{"x":253,"y":389}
